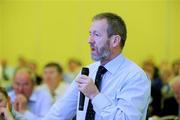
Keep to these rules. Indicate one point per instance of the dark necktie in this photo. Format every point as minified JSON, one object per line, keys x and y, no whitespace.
{"x":90,"y":114}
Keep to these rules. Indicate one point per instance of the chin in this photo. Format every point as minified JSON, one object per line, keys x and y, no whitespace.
{"x":96,"y":58}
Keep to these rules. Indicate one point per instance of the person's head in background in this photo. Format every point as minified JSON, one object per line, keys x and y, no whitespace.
{"x":166,"y":73}
{"x":24,"y":82}
{"x":175,"y":85}
{"x":176,"y":67}
{"x":148,"y":67}
{"x":74,"y":65}
{"x":3,"y":63}
{"x":4,"y":98}
{"x":52,"y":75}
{"x":22,"y":62}
{"x":107,"y":36}
{"x":33,"y":66}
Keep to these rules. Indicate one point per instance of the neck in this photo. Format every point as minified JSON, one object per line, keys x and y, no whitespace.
{"x":105,"y":61}
{"x":56,"y":86}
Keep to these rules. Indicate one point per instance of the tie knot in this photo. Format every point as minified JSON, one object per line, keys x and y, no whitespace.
{"x":102,"y":70}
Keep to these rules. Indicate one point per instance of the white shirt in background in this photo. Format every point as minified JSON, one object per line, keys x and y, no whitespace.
{"x":39,"y":104}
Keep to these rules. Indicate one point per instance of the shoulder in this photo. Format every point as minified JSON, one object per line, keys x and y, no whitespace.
{"x":132,"y":66}
{"x":133,"y":70}
{"x":41,"y":93}
{"x":134,"y":75}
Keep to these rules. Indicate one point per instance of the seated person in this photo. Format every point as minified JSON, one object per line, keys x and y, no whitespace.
{"x":74,"y":66}
{"x":31,"y":102}
{"x":6,"y":110}
{"x":53,"y":80}
{"x":171,"y":105}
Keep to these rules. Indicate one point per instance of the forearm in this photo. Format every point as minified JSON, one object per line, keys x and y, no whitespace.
{"x":107,"y":109}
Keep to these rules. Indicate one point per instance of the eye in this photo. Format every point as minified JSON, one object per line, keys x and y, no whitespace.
{"x":96,"y":34}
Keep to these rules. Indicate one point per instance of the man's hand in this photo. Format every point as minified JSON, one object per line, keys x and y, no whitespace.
{"x":87,"y":86}
{"x":20,"y":103}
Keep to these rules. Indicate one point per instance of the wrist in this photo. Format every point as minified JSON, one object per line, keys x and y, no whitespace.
{"x":94,"y":95}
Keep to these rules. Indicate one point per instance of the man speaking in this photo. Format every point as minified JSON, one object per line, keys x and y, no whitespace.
{"x":116,"y":88}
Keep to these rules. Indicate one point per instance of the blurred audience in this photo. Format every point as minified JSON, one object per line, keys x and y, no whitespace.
{"x":166,"y":75}
{"x":176,"y":67}
{"x":6,"y":74}
{"x":160,"y":88}
{"x":74,"y":66}
{"x":32,"y":95}
{"x":33,"y":66}
{"x":6,"y":71}
{"x":150,"y":68}
{"x":7,"y":111}
{"x":171,"y":105}
{"x":31,"y":102}
{"x":22,"y":62}
{"x":53,"y":80}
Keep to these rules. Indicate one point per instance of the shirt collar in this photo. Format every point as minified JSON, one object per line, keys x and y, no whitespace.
{"x":114,"y":64}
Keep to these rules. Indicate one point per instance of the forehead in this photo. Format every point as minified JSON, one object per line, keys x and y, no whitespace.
{"x":99,"y":25}
{"x":51,"y":68}
{"x":22,"y":76}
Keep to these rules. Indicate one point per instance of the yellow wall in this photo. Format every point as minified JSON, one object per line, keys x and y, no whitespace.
{"x":47,"y":30}
{"x":0,"y":30}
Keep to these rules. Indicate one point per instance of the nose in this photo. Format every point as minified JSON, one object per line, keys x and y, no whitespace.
{"x":20,"y":89}
{"x":90,"y":39}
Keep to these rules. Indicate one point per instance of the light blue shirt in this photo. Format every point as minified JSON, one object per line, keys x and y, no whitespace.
{"x":58,"y":92}
{"x":124,"y":95}
{"x":39,"y":104}
{"x":17,"y":115}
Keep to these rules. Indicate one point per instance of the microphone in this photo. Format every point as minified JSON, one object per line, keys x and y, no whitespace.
{"x":85,"y":71}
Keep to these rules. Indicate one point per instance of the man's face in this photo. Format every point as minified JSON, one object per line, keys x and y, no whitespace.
{"x":23,"y":84}
{"x":51,"y":77}
{"x":3,"y":101}
{"x":99,"y":41}
{"x":176,"y":90}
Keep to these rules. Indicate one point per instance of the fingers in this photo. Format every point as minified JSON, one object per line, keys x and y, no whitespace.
{"x":20,"y":103}
{"x":82,"y":79}
{"x":16,"y":105}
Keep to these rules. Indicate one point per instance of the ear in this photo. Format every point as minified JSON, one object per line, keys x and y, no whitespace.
{"x":115,"y":40}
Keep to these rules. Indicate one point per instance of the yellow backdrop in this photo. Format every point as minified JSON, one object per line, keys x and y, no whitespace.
{"x":55,"y":30}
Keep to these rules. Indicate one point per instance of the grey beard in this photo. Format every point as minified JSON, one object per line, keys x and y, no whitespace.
{"x":105,"y":55}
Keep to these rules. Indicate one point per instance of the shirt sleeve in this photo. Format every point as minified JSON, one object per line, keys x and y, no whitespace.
{"x":43,"y":105}
{"x":30,"y":116}
{"x":131,"y":101}
{"x":17,"y":115}
{"x":65,"y":107}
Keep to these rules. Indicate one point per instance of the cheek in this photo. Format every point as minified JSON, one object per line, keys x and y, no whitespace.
{"x":27,"y":90}
{"x":17,"y":89}
{"x":3,"y":104}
